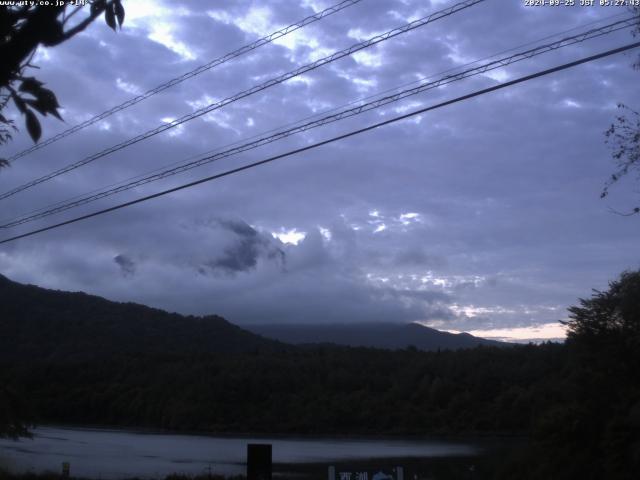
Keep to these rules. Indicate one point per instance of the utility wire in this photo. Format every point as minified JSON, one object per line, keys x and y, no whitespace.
{"x":269,"y":83}
{"x":317,"y":115}
{"x":499,"y":63}
{"x":331,"y":140}
{"x":310,"y":117}
{"x":324,"y":112}
{"x":197,"y":71}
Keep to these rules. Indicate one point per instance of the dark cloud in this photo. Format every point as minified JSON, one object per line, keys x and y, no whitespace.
{"x":244,"y":253}
{"x":127,"y":266}
{"x":416,"y":257}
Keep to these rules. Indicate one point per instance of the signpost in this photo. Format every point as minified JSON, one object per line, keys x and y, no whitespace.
{"x":259,"y":463}
{"x":66,"y":469}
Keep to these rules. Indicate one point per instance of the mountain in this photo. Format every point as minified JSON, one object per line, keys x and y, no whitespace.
{"x":379,"y":335}
{"x":37,"y":323}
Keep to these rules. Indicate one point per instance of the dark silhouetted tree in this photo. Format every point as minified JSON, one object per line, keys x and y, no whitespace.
{"x":613,"y":313}
{"x":23,"y":28}
{"x":13,"y":414}
{"x":623,"y":136}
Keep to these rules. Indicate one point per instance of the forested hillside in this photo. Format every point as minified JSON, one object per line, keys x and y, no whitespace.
{"x":36,"y":323}
{"x":324,"y":390}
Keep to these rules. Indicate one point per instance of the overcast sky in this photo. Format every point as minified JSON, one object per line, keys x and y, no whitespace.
{"x":480,"y":216}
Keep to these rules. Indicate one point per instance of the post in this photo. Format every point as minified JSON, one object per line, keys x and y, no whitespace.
{"x":66,"y":468}
{"x":259,"y":463}
{"x":332,"y":473}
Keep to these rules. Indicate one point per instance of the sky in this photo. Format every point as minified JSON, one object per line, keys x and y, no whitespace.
{"x":484,"y":216}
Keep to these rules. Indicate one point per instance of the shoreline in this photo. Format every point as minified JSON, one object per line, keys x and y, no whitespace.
{"x":436,"y":437}
{"x":443,"y":468}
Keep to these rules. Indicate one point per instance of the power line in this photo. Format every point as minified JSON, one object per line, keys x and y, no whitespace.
{"x":499,"y":63}
{"x":318,"y":115}
{"x":325,"y":112}
{"x":263,"y":86}
{"x":197,"y":71}
{"x":331,"y":140}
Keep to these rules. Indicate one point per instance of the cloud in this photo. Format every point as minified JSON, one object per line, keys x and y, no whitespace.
{"x":247,"y":275}
{"x":244,"y":253}
{"x":127,"y":266}
{"x":487,"y":212}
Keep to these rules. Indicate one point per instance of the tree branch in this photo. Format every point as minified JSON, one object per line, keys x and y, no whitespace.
{"x":635,"y":211}
{"x":82,"y":25}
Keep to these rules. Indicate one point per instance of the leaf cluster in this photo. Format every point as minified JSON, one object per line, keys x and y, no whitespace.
{"x":32,"y":97}
{"x":623,"y":136}
{"x":22,"y":30}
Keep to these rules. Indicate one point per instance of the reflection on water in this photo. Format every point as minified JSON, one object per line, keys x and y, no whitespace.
{"x":125,"y":454}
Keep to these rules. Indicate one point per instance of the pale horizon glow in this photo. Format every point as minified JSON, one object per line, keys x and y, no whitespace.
{"x":535,"y":333}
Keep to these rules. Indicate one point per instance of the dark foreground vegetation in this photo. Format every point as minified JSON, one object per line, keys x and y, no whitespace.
{"x":458,"y":468}
{"x":578,"y":403}
{"x":4,"y":475}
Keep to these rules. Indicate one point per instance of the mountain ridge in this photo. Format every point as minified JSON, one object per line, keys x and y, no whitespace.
{"x":53,"y":324}
{"x":41,"y":323}
{"x":388,"y":335}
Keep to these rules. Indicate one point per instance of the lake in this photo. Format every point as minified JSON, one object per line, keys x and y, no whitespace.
{"x":117,"y":454}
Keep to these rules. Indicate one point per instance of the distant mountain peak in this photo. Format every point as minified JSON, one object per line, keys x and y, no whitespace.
{"x":377,"y":335}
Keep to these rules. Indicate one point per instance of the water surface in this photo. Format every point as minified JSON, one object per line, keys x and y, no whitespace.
{"x":117,"y":454}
